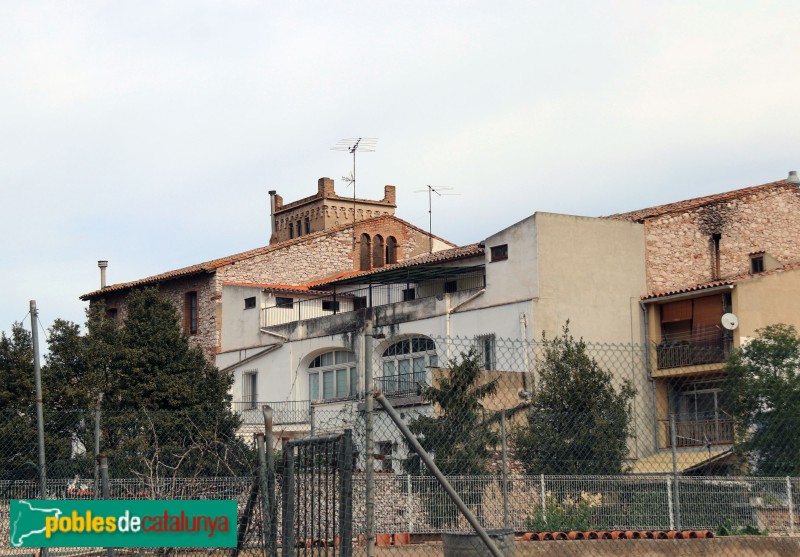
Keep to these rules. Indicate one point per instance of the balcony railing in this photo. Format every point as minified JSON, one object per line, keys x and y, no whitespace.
{"x":698,"y":433}
{"x":404,"y":384}
{"x":693,"y":351}
{"x":283,"y":412}
{"x":371,"y":296}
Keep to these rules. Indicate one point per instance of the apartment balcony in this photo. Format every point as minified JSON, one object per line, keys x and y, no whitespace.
{"x":693,"y":351}
{"x":697,"y":433}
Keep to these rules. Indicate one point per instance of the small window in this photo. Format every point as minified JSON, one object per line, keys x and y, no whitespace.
{"x":250,"y":389}
{"x":250,"y":303}
{"x":451,"y":286}
{"x":359,"y":302}
{"x":308,"y":225}
{"x":485,"y":344}
{"x":330,"y":305}
{"x":499,"y":253}
{"x":385,"y":449}
{"x":190,"y":313}
{"x":291,"y":230}
{"x":299,"y":230}
{"x":757,"y":264}
{"x":283,"y":302}
{"x":112,"y":314}
{"x":409,"y":294}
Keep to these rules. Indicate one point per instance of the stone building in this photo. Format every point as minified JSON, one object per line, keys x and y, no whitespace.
{"x":330,"y":250}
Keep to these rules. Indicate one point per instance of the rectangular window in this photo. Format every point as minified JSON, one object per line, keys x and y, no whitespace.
{"x":308,"y":225}
{"x":112,"y":314}
{"x":250,"y":389}
{"x":282,"y":302}
{"x":330,"y":305}
{"x":389,"y":384}
{"x":419,"y":370}
{"x":485,"y":345}
{"x":451,"y":286}
{"x":359,"y":302}
{"x":757,"y":264}
{"x":341,"y":383}
{"x":250,"y":303}
{"x":313,"y":386}
{"x":385,"y":449}
{"x":291,"y":230}
{"x":353,"y":381}
{"x":299,"y":230}
{"x":499,"y":253}
{"x":404,"y":378}
{"x":190,"y":313}
{"x":327,"y":385}
{"x":408,"y":294}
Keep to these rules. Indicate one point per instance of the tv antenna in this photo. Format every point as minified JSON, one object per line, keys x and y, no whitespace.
{"x":355,"y":145}
{"x":438,"y":191}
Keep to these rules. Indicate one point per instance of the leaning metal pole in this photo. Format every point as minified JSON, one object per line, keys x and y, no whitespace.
{"x":426,"y":458}
{"x":37,"y":375}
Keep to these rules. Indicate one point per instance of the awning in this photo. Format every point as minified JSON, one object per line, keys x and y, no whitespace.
{"x":661,"y":463}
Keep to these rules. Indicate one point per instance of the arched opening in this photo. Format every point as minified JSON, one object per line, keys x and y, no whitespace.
{"x":377,"y":251}
{"x":365,"y":252}
{"x":333,"y":375}
{"x":391,"y":250}
{"x":406,"y":363}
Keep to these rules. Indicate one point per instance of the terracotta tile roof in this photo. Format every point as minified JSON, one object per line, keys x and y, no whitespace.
{"x":443,"y":256}
{"x":300,"y":289}
{"x":214,"y":264}
{"x":687,"y":204}
{"x":724,"y":282}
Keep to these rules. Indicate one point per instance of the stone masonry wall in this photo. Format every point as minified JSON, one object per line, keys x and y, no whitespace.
{"x":680,"y":250}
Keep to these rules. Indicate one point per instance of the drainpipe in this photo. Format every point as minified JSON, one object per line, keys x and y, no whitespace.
{"x":523,"y":333}
{"x":649,"y":371}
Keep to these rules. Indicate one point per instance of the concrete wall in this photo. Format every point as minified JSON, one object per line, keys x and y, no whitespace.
{"x":767,"y":300}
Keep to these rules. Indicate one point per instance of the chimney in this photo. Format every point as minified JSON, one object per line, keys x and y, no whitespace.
{"x":325,"y":187}
{"x":389,"y":195}
{"x":272,"y":194}
{"x":793,"y":179}
{"x":103,"y":265}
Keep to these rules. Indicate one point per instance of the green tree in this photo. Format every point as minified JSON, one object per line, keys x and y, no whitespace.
{"x":763,"y":395}
{"x":459,"y":434}
{"x":578,"y":422}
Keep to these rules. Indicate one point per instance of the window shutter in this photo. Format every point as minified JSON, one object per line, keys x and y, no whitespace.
{"x":706,"y":318}
{"x":676,"y":311}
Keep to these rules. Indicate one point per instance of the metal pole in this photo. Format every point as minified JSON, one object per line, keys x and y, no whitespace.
{"x":676,"y":488}
{"x":37,"y":374}
{"x":97,"y":407}
{"x":791,"y":503}
{"x":311,"y":412}
{"x":408,"y":504}
{"x":426,"y":458}
{"x":368,"y":439}
{"x":505,"y":468}
{"x":262,"y":481}
{"x":670,"y":508}
{"x":272,"y":548}
{"x":106,"y":488}
{"x":542,"y":498}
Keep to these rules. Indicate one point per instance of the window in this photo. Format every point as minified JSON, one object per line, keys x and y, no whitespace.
{"x":451,"y":286}
{"x":190,"y":313}
{"x":250,"y":303}
{"x":336,"y":373}
{"x":283,"y":302}
{"x":330,"y":305}
{"x":299,"y":230}
{"x":757,"y":264}
{"x":391,"y":250}
{"x":485,"y":345}
{"x":405,"y":365}
{"x":359,"y":302}
{"x":308,"y":225}
{"x":499,"y":253}
{"x":112,"y":314}
{"x":377,"y":251}
{"x":408,"y":294}
{"x":385,"y":449}
{"x":364,"y":260}
{"x":250,"y":390}
{"x":291,"y":230}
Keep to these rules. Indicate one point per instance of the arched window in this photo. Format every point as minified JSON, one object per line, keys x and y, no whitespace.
{"x":406,"y":364}
{"x":391,"y":250}
{"x":365,"y":260}
{"x":377,"y":251}
{"x":333,"y":375}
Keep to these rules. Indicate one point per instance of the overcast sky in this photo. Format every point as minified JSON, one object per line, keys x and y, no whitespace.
{"x":148,"y":133}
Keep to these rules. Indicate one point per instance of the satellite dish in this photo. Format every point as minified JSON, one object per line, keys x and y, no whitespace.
{"x":730,"y":321}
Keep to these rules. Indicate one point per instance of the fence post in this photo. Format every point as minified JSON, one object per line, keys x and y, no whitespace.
{"x":408,"y":504}
{"x":791,"y":504}
{"x":106,"y":488}
{"x":369,"y":385}
{"x":311,"y":412}
{"x":272,"y":519}
{"x":266,"y":512}
{"x":505,"y":468}
{"x":346,"y":494}
{"x":542,"y":497}
{"x":98,"y":404}
{"x":669,"y":505}
{"x":676,"y":489}
{"x":287,"y":494}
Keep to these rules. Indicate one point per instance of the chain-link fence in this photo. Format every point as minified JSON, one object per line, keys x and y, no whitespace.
{"x":548,"y":446}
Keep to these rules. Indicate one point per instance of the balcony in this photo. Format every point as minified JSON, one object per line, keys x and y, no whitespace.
{"x":283,"y":413}
{"x":692,"y":351}
{"x":697,"y":433}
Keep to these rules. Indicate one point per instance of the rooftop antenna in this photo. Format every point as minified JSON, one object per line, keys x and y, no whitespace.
{"x":354,"y":145}
{"x":431,"y":190}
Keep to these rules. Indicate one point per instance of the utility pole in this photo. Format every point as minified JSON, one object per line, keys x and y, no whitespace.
{"x":37,"y":374}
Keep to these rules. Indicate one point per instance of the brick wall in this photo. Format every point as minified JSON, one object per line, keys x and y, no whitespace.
{"x":680,"y":250}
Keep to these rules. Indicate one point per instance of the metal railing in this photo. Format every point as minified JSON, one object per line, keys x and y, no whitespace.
{"x":698,"y":433}
{"x":284,"y":412}
{"x":403,"y":384}
{"x":695,"y":350}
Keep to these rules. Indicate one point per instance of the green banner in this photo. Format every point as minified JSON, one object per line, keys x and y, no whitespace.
{"x":124,"y":523}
